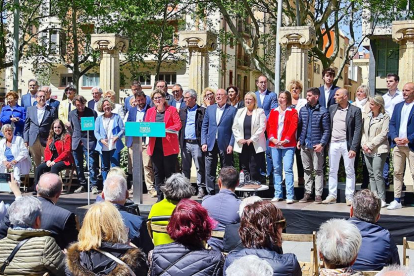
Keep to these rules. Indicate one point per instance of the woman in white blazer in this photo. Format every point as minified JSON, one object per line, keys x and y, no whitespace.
{"x":248,"y":129}
{"x":13,"y":154}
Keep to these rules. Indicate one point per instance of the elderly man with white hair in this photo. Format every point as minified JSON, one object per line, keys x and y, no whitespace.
{"x":115,"y":191}
{"x":249,"y":265}
{"x":38,"y":252}
{"x":96,"y":96}
{"x":338,"y":243}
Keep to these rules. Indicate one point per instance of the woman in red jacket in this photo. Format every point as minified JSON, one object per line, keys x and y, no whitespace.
{"x":281,"y":128}
{"x":163,"y":151}
{"x":58,"y":155}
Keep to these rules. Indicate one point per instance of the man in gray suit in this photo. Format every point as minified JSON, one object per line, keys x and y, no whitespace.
{"x":346,"y":123}
{"x":39,"y":119}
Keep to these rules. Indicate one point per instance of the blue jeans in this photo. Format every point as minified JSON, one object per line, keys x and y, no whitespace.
{"x":109,"y":159}
{"x":93,"y":162}
{"x":285,"y":155}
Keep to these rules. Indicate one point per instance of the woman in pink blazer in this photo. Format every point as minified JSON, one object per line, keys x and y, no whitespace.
{"x":281,"y":129}
{"x":163,"y":151}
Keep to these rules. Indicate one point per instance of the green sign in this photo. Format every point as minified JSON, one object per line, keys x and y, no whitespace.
{"x":143,"y":129}
{"x":87,"y":123}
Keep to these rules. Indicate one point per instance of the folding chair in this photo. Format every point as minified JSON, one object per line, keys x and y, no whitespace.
{"x":406,"y":245}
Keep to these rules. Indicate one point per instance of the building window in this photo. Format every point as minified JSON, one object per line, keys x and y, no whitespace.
{"x":169,"y":78}
{"x":66,"y":79}
{"x":90,"y":80}
{"x":231,"y":77}
{"x":386,"y":54}
{"x":145,"y":79}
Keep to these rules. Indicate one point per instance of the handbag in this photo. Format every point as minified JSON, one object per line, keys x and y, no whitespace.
{"x":109,"y":255}
{"x":11,"y":256}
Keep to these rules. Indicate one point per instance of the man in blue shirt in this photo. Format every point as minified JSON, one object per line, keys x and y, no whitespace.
{"x":190,"y":139}
{"x":224,"y":206}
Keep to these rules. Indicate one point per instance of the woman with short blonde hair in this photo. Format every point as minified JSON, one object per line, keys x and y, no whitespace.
{"x":117,"y":108}
{"x":103,"y":231}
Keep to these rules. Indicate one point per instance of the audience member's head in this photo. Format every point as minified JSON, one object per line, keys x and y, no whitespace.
{"x":247,"y":201}
{"x":249,"y":265}
{"x":102,"y":223}
{"x":261,"y":225}
{"x":190,"y":223}
{"x":25,"y":212}
{"x":396,"y":270}
{"x":117,"y":171}
{"x":338,"y":242}
{"x":115,"y":189}
{"x":177,"y":187}
{"x":228,"y":178}
{"x":49,"y":186}
{"x":366,"y":206}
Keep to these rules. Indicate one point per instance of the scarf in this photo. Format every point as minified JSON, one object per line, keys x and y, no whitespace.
{"x":52,"y":145}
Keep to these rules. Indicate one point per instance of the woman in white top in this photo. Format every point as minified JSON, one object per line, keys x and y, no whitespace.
{"x":109,"y":129}
{"x":248,"y":129}
{"x":295,"y":87}
{"x":118,"y":109}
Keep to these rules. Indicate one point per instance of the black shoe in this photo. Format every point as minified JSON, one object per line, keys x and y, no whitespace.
{"x":201,"y":193}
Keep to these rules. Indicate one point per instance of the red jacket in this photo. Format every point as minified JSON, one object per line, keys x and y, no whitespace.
{"x":63,"y":148}
{"x":172,"y":122}
{"x":290,"y":126}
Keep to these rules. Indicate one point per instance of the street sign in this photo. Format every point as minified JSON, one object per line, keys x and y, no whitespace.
{"x":87,"y":123}
{"x":143,"y":129}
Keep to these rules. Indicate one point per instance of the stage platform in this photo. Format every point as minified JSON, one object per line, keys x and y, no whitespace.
{"x":301,"y":217}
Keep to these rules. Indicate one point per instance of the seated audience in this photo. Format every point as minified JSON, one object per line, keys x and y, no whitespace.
{"x":55,"y":219}
{"x":115,"y":191}
{"x":13,"y":114}
{"x":396,"y":270}
{"x":223,"y":207}
{"x":189,"y":227}
{"x":231,"y":238}
{"x":58,"y":154}
{"x":176,"y":188}
{"x":377,"y":249}
{"x":102,"y":237}
{"x":260,"y":231}
{"x":13,"y":154}
{"x":249,"y":265}
{"x":39,"y":253}
{"x":338,"y":243}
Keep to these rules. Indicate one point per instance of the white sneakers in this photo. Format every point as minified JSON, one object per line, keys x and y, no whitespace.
{"x":276,"y":199}
{"x":394,"y":205}
{"x":289,"y":201}
{"x":383,"y":203}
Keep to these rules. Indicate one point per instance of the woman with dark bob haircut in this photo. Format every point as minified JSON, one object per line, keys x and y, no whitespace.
{"x":190,"y":227}
{"x":176,"y":188}
{"x":260,"y":231}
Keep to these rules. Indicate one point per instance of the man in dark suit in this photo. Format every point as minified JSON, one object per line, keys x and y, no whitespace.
{"x":190,"y":139}
{"x":137,"y":114}
{"x":178,"y":100}
{"x":80,"y":142}
{"x":135,"y":88}
{"x":37,"y":125}
{"x":402,"y":140}
{"x":217,"y":137}
{"x":55,"y":219}
{"x":328,"y":90}
{"x":115,"y":191}
{"x":96,"y":96}
{"x":162,"y":84}
{"x":29,"y":99}
{"x":49,"y":101}
{"x":346,"y":131}
{"x":267,"y":100}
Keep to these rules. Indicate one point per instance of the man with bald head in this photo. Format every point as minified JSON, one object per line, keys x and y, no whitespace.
{"x":217,"y":137}
{"x":401,"y":134}
{"x":346,"y":122}
{"x":55,"y":219}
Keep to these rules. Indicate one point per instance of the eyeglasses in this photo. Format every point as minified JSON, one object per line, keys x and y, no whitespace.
{"x":40,"y":97}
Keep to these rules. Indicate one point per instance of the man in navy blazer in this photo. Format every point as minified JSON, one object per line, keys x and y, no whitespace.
{"x":327,"y":90}
{"x":267,"y":100}
{"x":49,"y":101}
{"x":135,"y":87}
{"x":401,"y":134}
{"x":96,"y":96}
{"x":29,"y":99}
{"x":217,"y":137}
{"x":37,"y":125}
{"x":137,"y":114}
{"x":178,"y":99}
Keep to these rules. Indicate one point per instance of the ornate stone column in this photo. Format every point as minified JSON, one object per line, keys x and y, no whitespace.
{"x":110,"y":45}
{"x":403,"y":34}
{"x":298,"y":41}
{"x":199,"y":43}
